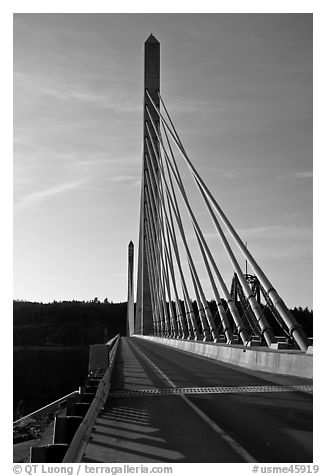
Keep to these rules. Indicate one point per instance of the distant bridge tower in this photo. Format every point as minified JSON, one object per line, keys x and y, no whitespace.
{"x":130,"y":303}
{"x":144,"y":310}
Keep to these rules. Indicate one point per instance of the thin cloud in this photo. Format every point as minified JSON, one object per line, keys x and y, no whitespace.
{"x":272,"y":242}
{"x":49,"y":277}
{"x":268,"y":231}
{"x":235,"y":174}
{"x":39,"y":196}
{"x":278,"y":235}
{"x":277,"y":232}
{"x":229,"y":173}
{"x":296,"y":175}
{"x":62,"y":91}
{"x":122,"y":178}
{"x":136,"y":183}
{"x":307,"y":174}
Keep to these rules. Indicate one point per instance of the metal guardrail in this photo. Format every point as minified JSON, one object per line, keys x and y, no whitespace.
{"x":50,"y":406}
{"x":111,"y":342}
{"x":79,"y":441}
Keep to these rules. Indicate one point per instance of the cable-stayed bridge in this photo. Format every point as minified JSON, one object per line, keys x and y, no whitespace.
{"x":210,"y":371}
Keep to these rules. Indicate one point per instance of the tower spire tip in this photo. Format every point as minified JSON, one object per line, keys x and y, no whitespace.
{"x":151,"y":39}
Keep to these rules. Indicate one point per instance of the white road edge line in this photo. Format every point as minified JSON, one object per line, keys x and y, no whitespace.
{"x":234,"y":445}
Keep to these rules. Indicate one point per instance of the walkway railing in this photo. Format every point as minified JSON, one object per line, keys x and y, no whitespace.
{"x":47,"y":408}
{"x":75,"y":450}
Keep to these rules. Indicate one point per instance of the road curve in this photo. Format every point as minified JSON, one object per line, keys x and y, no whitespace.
{"x":166,"y":405}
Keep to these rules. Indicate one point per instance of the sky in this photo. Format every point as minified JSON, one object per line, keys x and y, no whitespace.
{"x":239,"y":89}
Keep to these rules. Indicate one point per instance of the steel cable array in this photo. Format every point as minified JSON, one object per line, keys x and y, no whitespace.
{"x":166,"y":241}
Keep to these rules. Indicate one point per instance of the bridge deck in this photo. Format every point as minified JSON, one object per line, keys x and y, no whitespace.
{"x":153,"y":413}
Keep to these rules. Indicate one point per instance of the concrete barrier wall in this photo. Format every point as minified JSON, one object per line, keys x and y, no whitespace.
{"x":287,"y":362}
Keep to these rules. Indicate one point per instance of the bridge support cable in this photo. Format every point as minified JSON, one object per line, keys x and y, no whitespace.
{"x":201,"y":312}
{"x":256,"y":309}
{"x":205,"y":315}
{"x":190,"y":315}
{"x":164,"y":253}
{"x":158,"y":297}
{"x":206,"y":319}
{"x":213,"y":329}
{"x":150,"y":198}
{"x":196,"y":282}
{"x":155,"y":312}
{"x":165,"y":277}
{"x":272,"y":309}
{"x":266,"y":329}
{"x":173,"y":319}
{"x":154,"y":289}
{"x":231,"y":306}
{"x":204,"y":311}
{"x":295,"y":329}
{"x":167,"y":245}
{"x":159,"y":294}
{"x":154,"y":231}
{"x":152,"y":181}
{"x":173,"y":331}
{"x":189,"y":311}
{"x":173,"y":325}
{"x":180,"y":319}
{"x":237,"y":319}
{"x":220,"y":308}
{"x":167,"y":326}
{"x":152,"y":283}
{"x":204,"y":252}
{"x":180,"y":322}
{"x":161,"y":270}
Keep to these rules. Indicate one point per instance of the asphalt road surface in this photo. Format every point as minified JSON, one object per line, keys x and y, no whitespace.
{"x":166,"y":405}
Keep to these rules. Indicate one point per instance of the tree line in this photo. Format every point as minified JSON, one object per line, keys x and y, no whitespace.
{"x":82,"y":323}
{"x":67,"y":323}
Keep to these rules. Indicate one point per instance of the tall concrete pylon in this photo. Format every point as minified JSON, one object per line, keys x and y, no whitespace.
{"x":130,"y":302}
{"x":144,"y":314}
